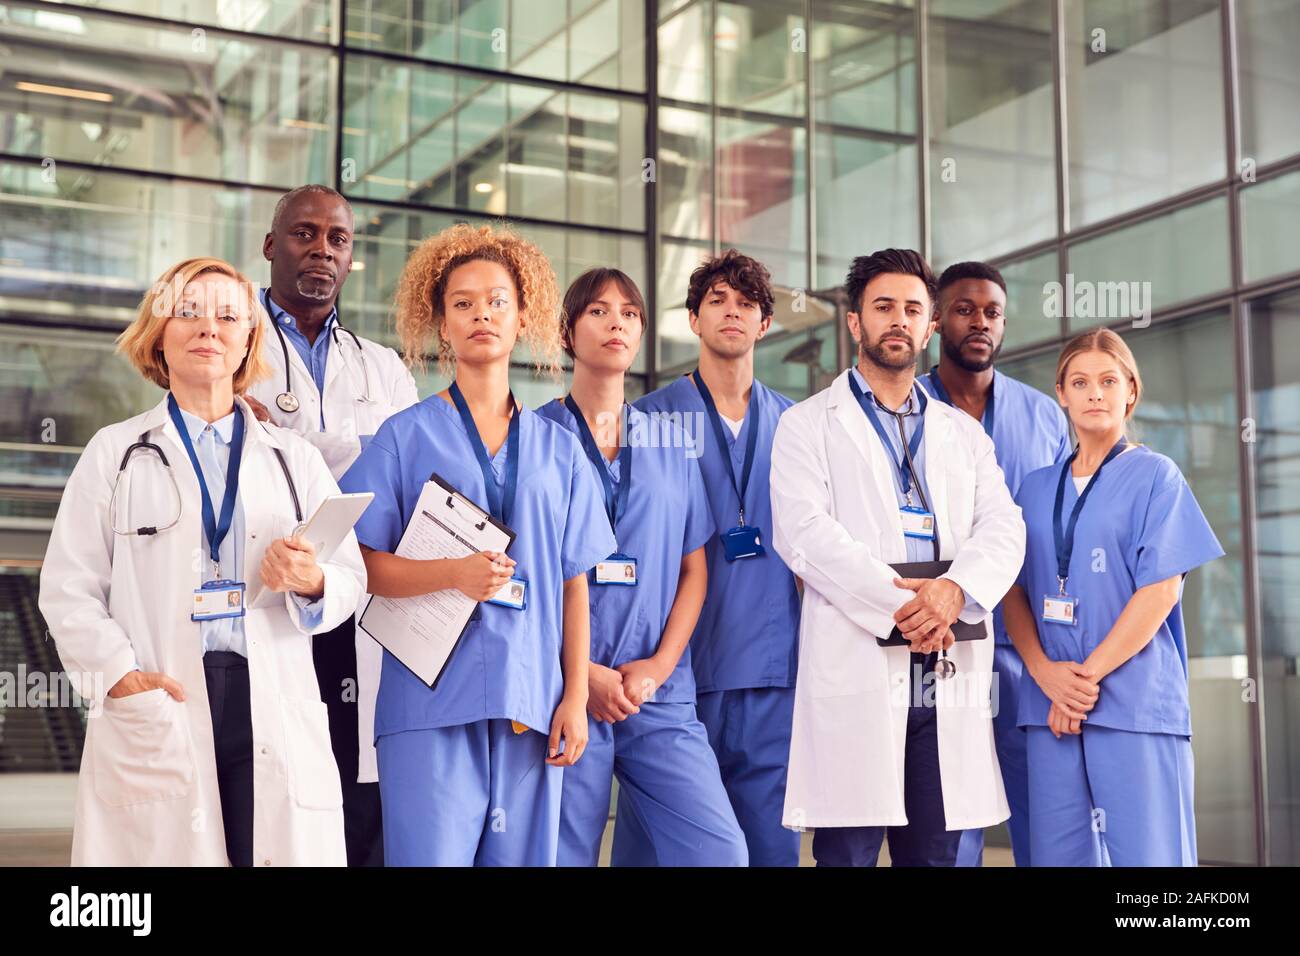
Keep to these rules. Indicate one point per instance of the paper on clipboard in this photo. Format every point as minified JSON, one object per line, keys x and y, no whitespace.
{"x":423,"y":631}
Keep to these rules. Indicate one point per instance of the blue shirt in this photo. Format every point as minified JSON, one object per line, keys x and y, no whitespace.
{"x":314,"y":354}
{"x":1140,"y":526}
{"x":507,"y":664}
{"x":748,"y":631}
{"x":212,"y":448}
{"x":1028,"y":431}
{"x":666,"y":517}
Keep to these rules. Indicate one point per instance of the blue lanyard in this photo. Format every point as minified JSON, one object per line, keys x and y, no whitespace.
{"x":615,"y":499}
{"x":903,"y":465}
{"x":942,"y":394}
{"x":1065,"y":536}
{"x":213,"y":529}
{"x":499,"y":508}
{"x":750,"y":444}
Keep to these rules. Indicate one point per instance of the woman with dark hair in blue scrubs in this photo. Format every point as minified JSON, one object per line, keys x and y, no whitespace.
{"x":1096,"y":615}
{"x":645,"y":599}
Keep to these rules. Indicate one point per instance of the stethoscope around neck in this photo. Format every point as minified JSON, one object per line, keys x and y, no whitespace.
{"x":287,"y":401}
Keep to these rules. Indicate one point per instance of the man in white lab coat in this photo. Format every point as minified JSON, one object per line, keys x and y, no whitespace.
{"x":335,"y":388}
{"x":892,"y":740}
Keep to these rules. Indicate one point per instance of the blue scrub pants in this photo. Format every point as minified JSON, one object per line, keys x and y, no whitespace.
{"x":924,"y":841}
{"x":670,"y":778}
{"x":1110,"y":798}
{"x":749,"y":731}
{"x":1010,"y":742}
{"x":474,"y":794}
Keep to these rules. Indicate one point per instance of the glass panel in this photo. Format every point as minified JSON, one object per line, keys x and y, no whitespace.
{"x":298,"y":19}
{"x":1037,"y":370}
{"x":1275,"y":362}
{"x":1270,"y":227}
{"x":993,"y":150}
{"x":552,"y":41}
{"x":684,"y":60}
{"x":1144,"y":102}
{"x":1027,"y":319}
{"x":83,"y":247}
{"x":115,"y":93}
{"x":685,"y":173}
{"x":864,"y":64}
{"x":800,"y":364}
{"x":1147,"y":266}
{"x":1268,"y":33}
{"x":763,"y":195}
{"x":676,"y":343}
{"x":761,"y":48}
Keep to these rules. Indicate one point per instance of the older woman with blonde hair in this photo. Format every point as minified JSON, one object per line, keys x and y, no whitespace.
{"x":183,"y":607}
{"x":470,"y":769}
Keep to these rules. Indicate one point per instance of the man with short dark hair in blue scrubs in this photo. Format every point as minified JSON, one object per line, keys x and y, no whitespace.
{"x":1028,"y":432}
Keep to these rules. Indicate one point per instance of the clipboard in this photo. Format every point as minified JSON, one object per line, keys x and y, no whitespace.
{"x":931,"y":569}
{"x":423,"y":632}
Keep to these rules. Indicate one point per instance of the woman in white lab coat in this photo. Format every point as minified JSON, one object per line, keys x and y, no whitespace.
{"x":207,"y":742}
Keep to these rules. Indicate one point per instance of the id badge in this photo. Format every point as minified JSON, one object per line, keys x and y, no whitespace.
{"x":742,"y":542}
{"x":617,"y":569}
{"x":218,"y":599}
{"x":1060,"y":609}
{"x":513,"y":594}
{"x":917,"y":523}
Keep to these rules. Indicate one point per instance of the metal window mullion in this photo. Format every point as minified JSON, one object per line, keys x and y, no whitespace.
{"x":923,"y":125}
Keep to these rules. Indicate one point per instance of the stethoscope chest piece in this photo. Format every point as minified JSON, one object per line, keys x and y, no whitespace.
{"x":944,"y":668}
{"x":287,"y":401}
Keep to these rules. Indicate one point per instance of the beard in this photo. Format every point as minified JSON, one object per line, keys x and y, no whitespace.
{"x":895,"y":361}
{"x":315,"y":290}
{"x":953,"y":351}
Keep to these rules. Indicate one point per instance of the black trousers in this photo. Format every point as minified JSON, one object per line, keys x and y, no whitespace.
{"x":924,"y":841}
{"x":335,"y":656}
{"x":226,"y":674}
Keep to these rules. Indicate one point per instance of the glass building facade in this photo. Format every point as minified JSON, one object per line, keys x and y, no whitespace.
{"x":1091,"y":143}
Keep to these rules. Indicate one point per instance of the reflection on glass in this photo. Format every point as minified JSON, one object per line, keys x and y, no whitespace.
{"x":596,"y":42}
{"x":762,"y":195}
{"x":296,"y":19}
{"x":117,"y":94}
{"x":761,"y":49}
{"x":1026,"y":319}
{"x":1268,"y":33}
{"x":684,"y":60}
{"x":1147,"y":266}
{"x":685,"y":173}
{"x":1275,"y":362}
{"x":864,"y":65}
{"x":1144,"y":102}
{"x":993,"y":152}
{"x":676,"y":343}
{"x":1270,"y":227}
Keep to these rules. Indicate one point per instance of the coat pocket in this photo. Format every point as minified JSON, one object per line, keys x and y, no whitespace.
{"x":141,"y":749}
{"x":313,"y":774}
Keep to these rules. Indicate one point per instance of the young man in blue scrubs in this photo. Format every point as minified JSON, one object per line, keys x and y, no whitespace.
{"x":744,"y":649}
{"x":1028,"y":433}
{"x":645,"y":600}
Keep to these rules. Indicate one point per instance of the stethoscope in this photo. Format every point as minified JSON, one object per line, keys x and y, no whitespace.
{"x":287,"y":401}
{"x":143,"y":444}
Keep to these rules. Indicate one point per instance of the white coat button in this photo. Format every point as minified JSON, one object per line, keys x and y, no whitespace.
{"x":266,"y":862}
{"x":265,"y":750}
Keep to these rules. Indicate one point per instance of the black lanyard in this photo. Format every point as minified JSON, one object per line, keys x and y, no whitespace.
{"x":615,"y":499}
{"x":499,"y":507}
{"x":1065,"y":536}
{"x":214,"y":529}
{"x":750,"y":444}
{"x":942,"y":394}
{"x":902,"y":465}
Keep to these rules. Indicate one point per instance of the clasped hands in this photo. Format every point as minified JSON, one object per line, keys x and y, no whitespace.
{"x":926,"y":620}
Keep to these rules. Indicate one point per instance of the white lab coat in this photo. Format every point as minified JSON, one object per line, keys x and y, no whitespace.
{"x":835,"y":523}
{"x":147,"y":793}
{"x":347,"y":417}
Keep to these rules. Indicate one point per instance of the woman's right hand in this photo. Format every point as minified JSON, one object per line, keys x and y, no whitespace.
{"x":137,"y":682}
{"x":480,"y":576}
{"x":606,"y":700}
{"x":1069,"y":686}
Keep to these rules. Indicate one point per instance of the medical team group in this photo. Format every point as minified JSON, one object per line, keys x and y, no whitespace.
{"x":899,"y":611}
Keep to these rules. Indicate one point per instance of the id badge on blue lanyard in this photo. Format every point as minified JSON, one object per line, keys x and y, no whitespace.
{"x":222,"y":597}
{"x":744,"y":540}
{"x":514,"y":593}
{"x":1062,"y":607}
{"x":618,"y":568}
{"x":917,"y":522}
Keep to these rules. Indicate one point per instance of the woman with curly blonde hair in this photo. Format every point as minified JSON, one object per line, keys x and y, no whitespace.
{"x":470,"y":770}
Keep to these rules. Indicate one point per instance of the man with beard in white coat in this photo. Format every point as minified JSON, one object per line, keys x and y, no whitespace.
{"x":335,"y":388}
{"x":892,"y":740}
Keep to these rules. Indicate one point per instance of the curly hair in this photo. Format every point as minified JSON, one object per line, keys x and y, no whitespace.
{"x":418,"y":302}
{"x":743,"y":273}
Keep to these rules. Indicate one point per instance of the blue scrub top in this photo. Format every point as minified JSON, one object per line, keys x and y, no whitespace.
{"x":1029,"y":432}
{"x":665,"y":518}
{"x":1144,"y":526}
{"x":507,"y":664}
{"x":748,"y":632}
